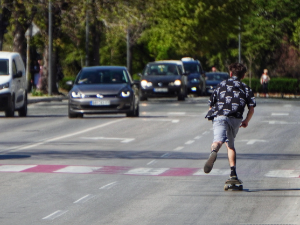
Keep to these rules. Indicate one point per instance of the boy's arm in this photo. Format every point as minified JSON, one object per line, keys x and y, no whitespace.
{"x":248,"y":118}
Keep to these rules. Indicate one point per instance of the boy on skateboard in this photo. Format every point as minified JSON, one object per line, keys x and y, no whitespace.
{"x":227,"y":104}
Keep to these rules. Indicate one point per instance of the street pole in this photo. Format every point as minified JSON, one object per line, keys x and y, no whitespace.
{"x":128,"y":49}
{"x":50,"y":50}
{"x":87,"y":35}
{"x":240,"y":40}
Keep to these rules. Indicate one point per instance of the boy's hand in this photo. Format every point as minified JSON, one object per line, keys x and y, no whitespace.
{"x":244,"y":124}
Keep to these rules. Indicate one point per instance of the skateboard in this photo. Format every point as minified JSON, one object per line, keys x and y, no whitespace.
{"x":233,"y":184}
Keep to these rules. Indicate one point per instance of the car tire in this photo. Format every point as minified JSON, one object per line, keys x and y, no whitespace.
{"x":23,"y":110}
{"x":10,"y":111}
{"x":74,"y":115}
{"x":142,"y":96}
{"x":135,"y":112}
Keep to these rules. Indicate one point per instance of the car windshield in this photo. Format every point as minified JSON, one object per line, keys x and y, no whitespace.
{"x":216,"y":76}
{"x":4,"y":67}
{"x":191,"y":68}
{"x":102,"y":76}
{"x":161,"y":69}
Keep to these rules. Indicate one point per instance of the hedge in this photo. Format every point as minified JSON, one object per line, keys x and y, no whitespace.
{"x":281,"y":85}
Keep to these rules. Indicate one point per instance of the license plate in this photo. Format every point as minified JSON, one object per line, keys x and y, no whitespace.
{"x":100,"y":102}
{"x":160,"y":89}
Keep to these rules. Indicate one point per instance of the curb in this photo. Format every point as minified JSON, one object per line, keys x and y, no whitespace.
{"x":36,"y":99}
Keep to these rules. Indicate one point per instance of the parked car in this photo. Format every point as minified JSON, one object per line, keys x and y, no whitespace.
{"x":196,"y":76}
{"x":104,"y":89}
{"x":163,"y":79}
{"x":13,"y":84}
{"x":213,"y":79}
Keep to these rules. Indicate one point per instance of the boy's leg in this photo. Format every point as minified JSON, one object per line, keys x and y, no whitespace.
{"x":219,"y":127}
{"x":212,"y":157}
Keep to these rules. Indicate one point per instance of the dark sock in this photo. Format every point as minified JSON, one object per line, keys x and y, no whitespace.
{"x":233,"y":172}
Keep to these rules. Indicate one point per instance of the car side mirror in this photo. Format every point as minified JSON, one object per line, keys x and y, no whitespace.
{"x":69,"y":83}
{"x":18,"y":75}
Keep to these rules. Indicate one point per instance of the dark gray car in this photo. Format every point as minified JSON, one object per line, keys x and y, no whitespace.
{"x":163,"y":79}
{"x":104,"y":89}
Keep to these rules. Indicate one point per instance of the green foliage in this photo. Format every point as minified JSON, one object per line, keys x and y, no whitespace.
{"x":280,"y":85}
{"x":63,"y":85}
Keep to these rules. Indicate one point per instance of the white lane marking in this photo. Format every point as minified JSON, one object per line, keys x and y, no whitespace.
{"x":283,"y":173}
{"x":176,"y":113}
{"x":161,"y":120}
{"x":252,"y":141}
{"x":147,"y":171}
{"x":189,"y":142}
{"x":178,"y":148}
{"x":215,"y":172}
{"x":20,"y":148}
{"x":123,"y":140}
{"x":54,"y":215}
{"x":205,"y":132}
{"x":197,"y":137}
{"x":287,"y":106}
{"x":151,"y":162}
{"x":165,"y":155}
{"x":15,"y":168}
{"x":280,"y":114}
{"x":78,"y":169}
{"x":280,"y":122}
{"x":108,"y":186}
{"x":84,"y":199}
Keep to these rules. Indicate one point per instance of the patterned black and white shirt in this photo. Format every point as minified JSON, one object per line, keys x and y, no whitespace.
{"x":230,"y":98}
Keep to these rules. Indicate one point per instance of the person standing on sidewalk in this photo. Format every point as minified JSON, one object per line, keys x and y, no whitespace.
{"x":264,"y":81}
{"x":227,"y":104}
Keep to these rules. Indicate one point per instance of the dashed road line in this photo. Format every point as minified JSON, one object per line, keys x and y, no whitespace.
{"x":56,"y":214}
{"x":108,"y":186}
{"x":84,"y":199}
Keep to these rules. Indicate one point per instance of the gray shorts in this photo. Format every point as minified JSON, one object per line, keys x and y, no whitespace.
{"x":225,"y":129}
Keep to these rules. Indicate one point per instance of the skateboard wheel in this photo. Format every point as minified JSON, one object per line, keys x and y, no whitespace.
{"x":225,"y":187}
{"x":241,"y":187}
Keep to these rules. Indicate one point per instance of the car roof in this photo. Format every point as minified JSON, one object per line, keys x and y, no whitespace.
{"x":103,"y":67}
{"x":8,"y":55}
{"x":211,"y":73}
{"x":178,"y":62}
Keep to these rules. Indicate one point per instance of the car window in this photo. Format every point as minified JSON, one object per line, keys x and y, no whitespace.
{"x":216,"y":76}
{"x":192,"y":67}
{"x":103,"y":76}
{"x":4,"y":67}
{"x":158,"y":69}
{"x":14,"y":68}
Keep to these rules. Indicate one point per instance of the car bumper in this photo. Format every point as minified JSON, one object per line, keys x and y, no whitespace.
{"x":161,"y":91}
{"x":100,"y":106}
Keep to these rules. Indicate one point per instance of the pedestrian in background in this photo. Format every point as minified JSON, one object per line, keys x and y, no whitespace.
{"x":227,"y":104}
{"x":264,"y":81}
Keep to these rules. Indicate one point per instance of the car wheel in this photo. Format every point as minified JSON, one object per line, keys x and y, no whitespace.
{"x":142,"y":96}
{"x":74,"y":115}
{"x":135,"y":112}
{"x":10,"y":111}
{"x":23,"y":111}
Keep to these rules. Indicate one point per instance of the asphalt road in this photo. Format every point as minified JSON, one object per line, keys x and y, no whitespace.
{"x":109,"y":169}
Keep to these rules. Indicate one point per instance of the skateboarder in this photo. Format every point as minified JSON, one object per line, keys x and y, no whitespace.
{"x":227,"y":104}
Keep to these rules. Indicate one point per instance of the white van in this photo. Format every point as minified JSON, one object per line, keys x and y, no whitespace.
{"x":13,"y":84}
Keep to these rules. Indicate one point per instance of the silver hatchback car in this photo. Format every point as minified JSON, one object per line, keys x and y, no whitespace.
{"x":104,"y":89}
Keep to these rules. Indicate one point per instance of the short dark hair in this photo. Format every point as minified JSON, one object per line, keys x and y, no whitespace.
{"x":238,"y":70}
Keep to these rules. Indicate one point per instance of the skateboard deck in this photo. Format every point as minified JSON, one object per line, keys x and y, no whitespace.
{"x":233,"y":185}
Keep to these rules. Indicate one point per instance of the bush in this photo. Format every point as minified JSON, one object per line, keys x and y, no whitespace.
{"x":63,"y":85}
{"x":281,"y":85}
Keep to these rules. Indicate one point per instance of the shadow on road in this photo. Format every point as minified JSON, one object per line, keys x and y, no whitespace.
{"x":147,"y":154}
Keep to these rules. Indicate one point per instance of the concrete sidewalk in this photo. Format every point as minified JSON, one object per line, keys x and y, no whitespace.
{"x":35,"y":99}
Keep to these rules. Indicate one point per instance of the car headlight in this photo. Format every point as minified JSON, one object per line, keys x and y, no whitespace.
{"x":177,"y":82}
{"x":125,"y":94}
{"x":6,"y":85}
{"x":77,"y":95}
{"x":195,"y":80}
{"x":145,"y":84}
